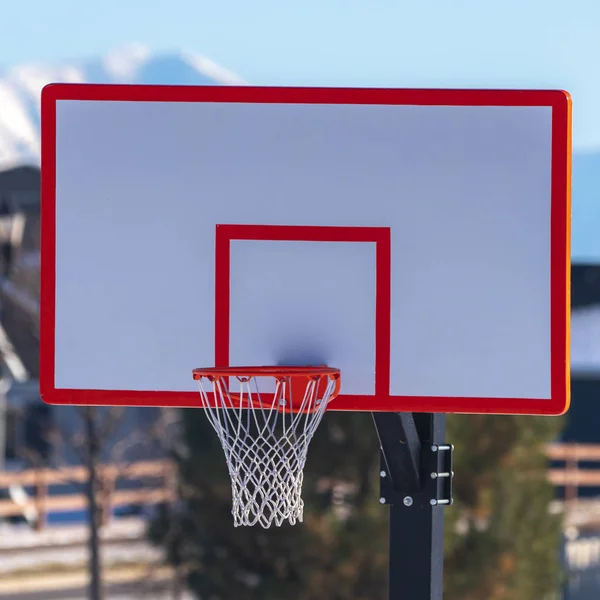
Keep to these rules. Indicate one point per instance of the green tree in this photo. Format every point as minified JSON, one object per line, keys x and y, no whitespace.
{"x":501,"y":541}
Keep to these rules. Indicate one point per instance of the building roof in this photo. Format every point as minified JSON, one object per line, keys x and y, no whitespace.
{"x":585,"y":285}
{"x":20,"y":179}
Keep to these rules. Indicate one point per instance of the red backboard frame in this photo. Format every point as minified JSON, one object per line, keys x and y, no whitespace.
{"x":558,"y":101}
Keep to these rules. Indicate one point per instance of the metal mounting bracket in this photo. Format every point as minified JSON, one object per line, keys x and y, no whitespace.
{"x":415,"y":471}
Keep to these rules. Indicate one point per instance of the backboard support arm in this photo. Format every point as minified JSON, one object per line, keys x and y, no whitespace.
{"x":416,"y":481}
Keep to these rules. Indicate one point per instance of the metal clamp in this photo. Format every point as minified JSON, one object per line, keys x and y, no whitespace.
{"x":442,"y":475}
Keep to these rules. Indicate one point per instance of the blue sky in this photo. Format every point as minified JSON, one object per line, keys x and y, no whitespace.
{"x":530,"y":43}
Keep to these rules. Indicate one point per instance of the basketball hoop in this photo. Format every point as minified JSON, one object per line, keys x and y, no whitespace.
{"x":265,"y":418}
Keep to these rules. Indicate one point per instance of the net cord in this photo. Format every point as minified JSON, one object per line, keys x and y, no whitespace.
{"x":265,"y":446}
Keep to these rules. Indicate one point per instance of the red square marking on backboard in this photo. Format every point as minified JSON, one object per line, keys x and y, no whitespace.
{"x":380,"y":236}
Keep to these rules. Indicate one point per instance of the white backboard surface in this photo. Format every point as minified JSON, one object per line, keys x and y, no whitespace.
{"x":420,"y":247}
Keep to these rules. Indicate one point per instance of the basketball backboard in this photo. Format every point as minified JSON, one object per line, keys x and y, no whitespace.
{"x":418,"y":240}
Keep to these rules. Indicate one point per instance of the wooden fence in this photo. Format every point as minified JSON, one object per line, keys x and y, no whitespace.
{"x":571,"y":476}
{"x":155,"y":483}
{"x":138,"y":483}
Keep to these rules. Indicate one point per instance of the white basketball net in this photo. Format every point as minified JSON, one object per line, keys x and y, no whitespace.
{"x":265,"y":448}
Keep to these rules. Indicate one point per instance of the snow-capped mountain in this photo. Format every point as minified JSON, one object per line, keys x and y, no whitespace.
{"x":20,"y":89}
{"x":20,"y":117}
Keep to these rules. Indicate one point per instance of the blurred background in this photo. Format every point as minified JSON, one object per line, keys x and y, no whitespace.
{"x":526,"y":521}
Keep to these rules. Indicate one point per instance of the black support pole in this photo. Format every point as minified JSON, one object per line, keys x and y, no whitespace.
{"x":416,"y":481}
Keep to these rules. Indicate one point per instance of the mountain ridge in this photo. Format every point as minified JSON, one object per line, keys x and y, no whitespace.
{"x":20,"y":88}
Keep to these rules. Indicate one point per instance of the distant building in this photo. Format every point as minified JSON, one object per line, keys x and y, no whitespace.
{"x":19,"y":311}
